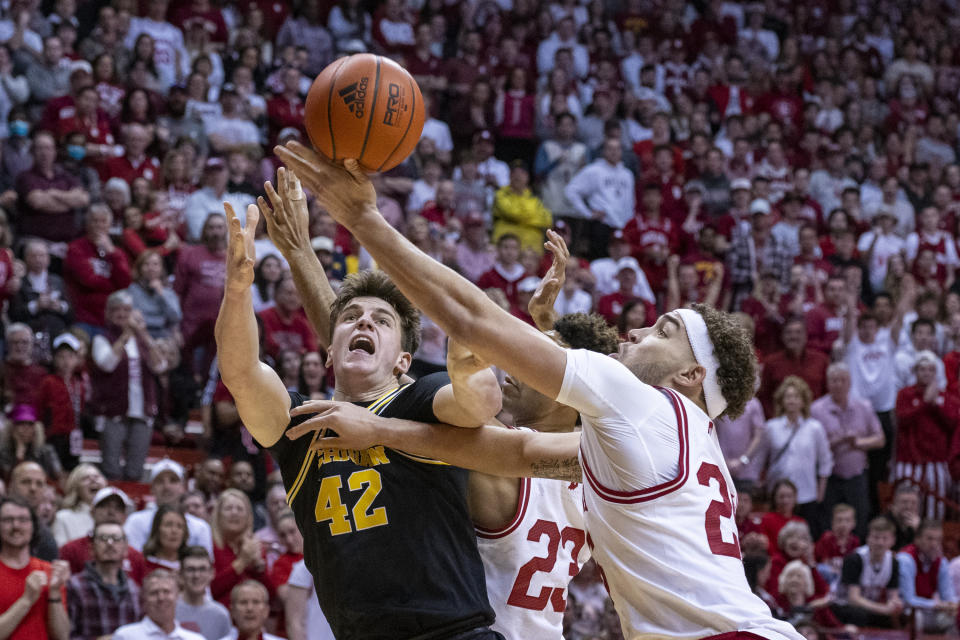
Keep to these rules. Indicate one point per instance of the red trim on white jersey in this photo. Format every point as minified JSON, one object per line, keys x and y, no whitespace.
{"x":662,"y":489}
{"x":522,"y":502}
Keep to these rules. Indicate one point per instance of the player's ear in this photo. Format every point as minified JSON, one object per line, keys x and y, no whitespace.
{"x":403,"y":363}
{"x":690,"y":376}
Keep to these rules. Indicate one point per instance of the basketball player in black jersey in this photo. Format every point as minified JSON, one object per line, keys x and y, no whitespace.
{"x":387,"y":536}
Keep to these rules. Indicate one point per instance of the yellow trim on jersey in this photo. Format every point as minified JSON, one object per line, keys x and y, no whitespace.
{"x":422,"y":459}
{"x":302,"y":474}
{"x":375,"y":406}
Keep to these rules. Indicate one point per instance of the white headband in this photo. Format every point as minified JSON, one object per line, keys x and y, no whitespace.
{"x":703,"y":352}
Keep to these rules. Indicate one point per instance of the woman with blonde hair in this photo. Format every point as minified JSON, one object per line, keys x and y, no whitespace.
{"x":73,"y":520}
{"x":798,"y":450}
{"x":795,"y":595}
{"x":238,"y":555}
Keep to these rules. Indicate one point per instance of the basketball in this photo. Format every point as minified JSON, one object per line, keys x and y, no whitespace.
{"x":365,"y":107}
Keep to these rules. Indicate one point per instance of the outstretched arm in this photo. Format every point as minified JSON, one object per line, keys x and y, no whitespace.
{"x":262,"y":401}
{"x":488,"y":449}
{"x":288,"y":223}
{"x":456,"y":305}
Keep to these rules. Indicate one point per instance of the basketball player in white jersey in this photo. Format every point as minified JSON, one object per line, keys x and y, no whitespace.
{"x":659,"y":501}
{"x":530,"y":531}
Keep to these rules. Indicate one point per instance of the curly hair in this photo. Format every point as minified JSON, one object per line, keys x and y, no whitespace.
{"x":587,"y":331}
{"x":376,"y":284}
{"x":733,"y":347}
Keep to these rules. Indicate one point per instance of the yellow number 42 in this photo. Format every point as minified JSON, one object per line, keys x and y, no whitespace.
{"x":330,"y":507}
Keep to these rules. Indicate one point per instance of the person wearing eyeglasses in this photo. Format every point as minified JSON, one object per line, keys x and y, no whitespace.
{"x":31,"y":590}
{"x":196,"y":610}
{"x":103,"y":597}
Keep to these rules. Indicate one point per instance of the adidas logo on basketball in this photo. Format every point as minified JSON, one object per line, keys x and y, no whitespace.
{"x":353,"y":96}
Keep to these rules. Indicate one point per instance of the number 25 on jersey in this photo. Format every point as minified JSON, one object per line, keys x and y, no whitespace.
{"x":717,"y":512}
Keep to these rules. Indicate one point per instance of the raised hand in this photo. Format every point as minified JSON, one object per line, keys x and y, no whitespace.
{"x":344,"y":191}
{"x":541,"y":304}
{"x":287,"y":215}
{"x":241,"y":254}
{"x":59,"y":575}
{"x":34,"y":585}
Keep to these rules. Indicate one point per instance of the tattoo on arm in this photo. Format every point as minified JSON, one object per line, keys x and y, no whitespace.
{"x":558,"y":469}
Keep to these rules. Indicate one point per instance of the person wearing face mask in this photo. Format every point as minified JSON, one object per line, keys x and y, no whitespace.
{"x":16,"y":156}
{"x":73,"y":155}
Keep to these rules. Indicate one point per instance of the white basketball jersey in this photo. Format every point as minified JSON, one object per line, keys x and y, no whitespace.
{"x":669,"y":552}
{"x":530,"y":561}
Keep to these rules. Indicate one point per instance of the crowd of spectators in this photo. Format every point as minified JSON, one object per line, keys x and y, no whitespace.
{"x":794,"y":163}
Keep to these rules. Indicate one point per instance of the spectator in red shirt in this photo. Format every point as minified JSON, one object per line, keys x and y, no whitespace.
{"x":21,"y":375}
{"x":784,"y":500}
{"x":88,"y":118}
{"x":198,"y":280}
{"x":426,"y":68}
{"x":794,"y":360}
{"x":135,"y":163}
{"x":825,"y":321}
{"x":31,"y":591}
{"x":50,"y":198}
{"x":201,"y":12}
{"x":238,"y":555}
{"x":611,"y":306}
{"x":291,"y":540}
{"x":393,"y":27}
{"x":285,"y":325}
{"x":60,"y":399}
{"x":834,"y":545}
{"x":94,"y":268}
{"x":286,"y":108}
{"x":507,"y":271}
{"x":926,"y":420}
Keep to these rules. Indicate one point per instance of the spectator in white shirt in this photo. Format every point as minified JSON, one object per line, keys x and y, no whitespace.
{"x":209,"y":199}
{"x":159,"y":593}
{"x":878,"y":245}
{"x":302,"y":610}
{"x":603,"y":194}
{"x":232,"y":128}
{"x":249,"y":609}
{"x":798,"y":450}
{"x":565,"y":37}
{"x":166,"y":486}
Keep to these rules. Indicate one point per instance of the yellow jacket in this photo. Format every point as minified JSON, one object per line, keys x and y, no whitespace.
{"x":521,"y":214}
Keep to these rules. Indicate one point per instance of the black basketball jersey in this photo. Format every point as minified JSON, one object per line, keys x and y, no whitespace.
{"x":387,"y":535}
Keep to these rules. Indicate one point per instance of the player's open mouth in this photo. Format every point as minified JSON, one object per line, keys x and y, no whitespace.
{"x":362,"y":343}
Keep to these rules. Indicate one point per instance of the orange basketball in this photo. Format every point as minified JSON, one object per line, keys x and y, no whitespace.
{"x":365,"y":107}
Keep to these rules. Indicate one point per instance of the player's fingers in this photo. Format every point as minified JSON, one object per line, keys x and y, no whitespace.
{"x":253,"y":218}
{"x":353,"y":167}
{"x":328,"y":442}
{"x":313,"y":406}
{"x":265,"y":211}
{"x":308,"y":426}
{"x":231,"y":214}
{"x":272,"y":194}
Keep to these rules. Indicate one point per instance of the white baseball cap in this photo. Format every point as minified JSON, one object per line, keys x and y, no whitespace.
{"x":167,"y":465}
{"x":109,"y":492}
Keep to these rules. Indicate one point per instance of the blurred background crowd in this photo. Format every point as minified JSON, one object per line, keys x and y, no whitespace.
{"x":794,"y":163}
